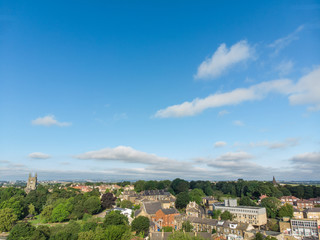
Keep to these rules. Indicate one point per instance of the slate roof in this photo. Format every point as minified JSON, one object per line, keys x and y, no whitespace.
{"x":312,"y":210}
{"x":152,"y":207}
{"x":169,"y":211}
{"x":154,"y":192}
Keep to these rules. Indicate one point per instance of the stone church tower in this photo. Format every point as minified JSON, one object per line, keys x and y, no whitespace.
{"x":32,"y":183}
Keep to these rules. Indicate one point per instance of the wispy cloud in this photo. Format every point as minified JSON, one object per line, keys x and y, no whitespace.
{"x":223,"y":112}
{"x":285,"y":67}
{"x":281,"y":43}
{"x":49,"y":120}
{"x":237,"y":96}
{"x":238,"y":123}
{"x":305,"y":91}
{"x":223,"y":59}
{"x":39,"y":155}
{"x":219,"y":144}
{"x":289,"y":142}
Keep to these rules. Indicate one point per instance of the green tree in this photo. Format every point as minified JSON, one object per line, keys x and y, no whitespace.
{"x":60,"y":213}
{"x":93,"y":205}
{"x":285,"y":211}
{"x":31,"y":209}
{"x":273,"y":225}
{"x":196,"y":195}
{"x":226,"y":215}
{"x":7,"y":219}
{"x":216,"y":214}
{"x":16,"y":204}
{"x":258,"y":236}
{"x":46,"y":213}
{"x":186,"y":226}
{"x":41,"y":233}
{"x":21,"y":231}
{"x":99,"y":233}
{"x":182,"y":200}
{"x":167,"y":229}
{"x":271,"y":204}
{"x":115,"y":218}
{"x":86,"y":235}
{"x":246,"y":201}
{"x":179,"y":185}
{"x":116,"y":232}
{"x":140,"y":225}
{"x":126,"y":204}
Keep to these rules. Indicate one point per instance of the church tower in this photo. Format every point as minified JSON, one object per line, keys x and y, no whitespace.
{"x":32,"y":183}
{"x":274,"y":181}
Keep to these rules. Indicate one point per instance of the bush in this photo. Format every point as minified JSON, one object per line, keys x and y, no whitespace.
{"x":141,"y":225}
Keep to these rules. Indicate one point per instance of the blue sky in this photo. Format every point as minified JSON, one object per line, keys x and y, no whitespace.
{"x":160,"y":89}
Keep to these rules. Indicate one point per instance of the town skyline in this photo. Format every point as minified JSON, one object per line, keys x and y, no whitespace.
{"x":195,"y":90}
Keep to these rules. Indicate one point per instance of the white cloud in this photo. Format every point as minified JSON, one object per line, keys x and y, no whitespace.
{"x":49,"y":120}
{"x":219,"y":144}
{"x":309,"y":161}
{"x":39,"y":155}
{"x":285,"y":67}
{"x":281,"y":43}
{"x":239,"y":95}
{"x":289,"y":142}
{"x":307,"y":91}
{"x":120,"y":116}
{"x":224,"y":58}
{"x":238,"y":123}
{"x":124,"y":154}
{"x":223,"y":112}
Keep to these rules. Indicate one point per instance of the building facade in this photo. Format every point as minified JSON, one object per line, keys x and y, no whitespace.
{"x":32,"y":183}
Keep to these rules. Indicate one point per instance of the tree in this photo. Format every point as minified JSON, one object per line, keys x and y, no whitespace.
{"x":7,"y":219}
{"x":126,"y":204}
{"x":182,"y":200}
{"x":246,"y":201}
{"x":140,"y":225}
{"x":226,"y":215}
{"x":186,"y":226}
{"x":31,"y":209}
{"x":179,"y":185}
{"x":258,"y":236}
{"x":216,"y":214}
{"x":16,"y":204}
{"x":86,"y":235}
{"x":167,"y":229}
{"x":196,"y":195}
{"x":273,"y":225}
{"x":115,"y":218}
{"x":93,"y":205}
{"x":108,"y":200}
{"x":116,"y":232}
{"x":271,"y":204}
{"x":46,"y":213}
{"x":99,"y":233}
{"x":41,"y":233}
{"x":60,"y":213}
{"x":285,"y":211}
{"x":21,"y":231}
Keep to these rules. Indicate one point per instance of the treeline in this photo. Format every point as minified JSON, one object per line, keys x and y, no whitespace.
{"x":58,"y":205}
{"x":239,"y":188}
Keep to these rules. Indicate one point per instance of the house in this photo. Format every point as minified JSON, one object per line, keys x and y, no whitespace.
{"x":316,"y":201}
{"x":208,"y":202}
{"x":233,"y":230}
{"x":298,"y":214}
{"x":165,"y":218}
{"x":303,"y":204}
{"x":155,"y":195}
{"x":194,"y":210}
{"x":148,"y":209}
{"x":312,"y":213}
{"x":289,"y":199}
